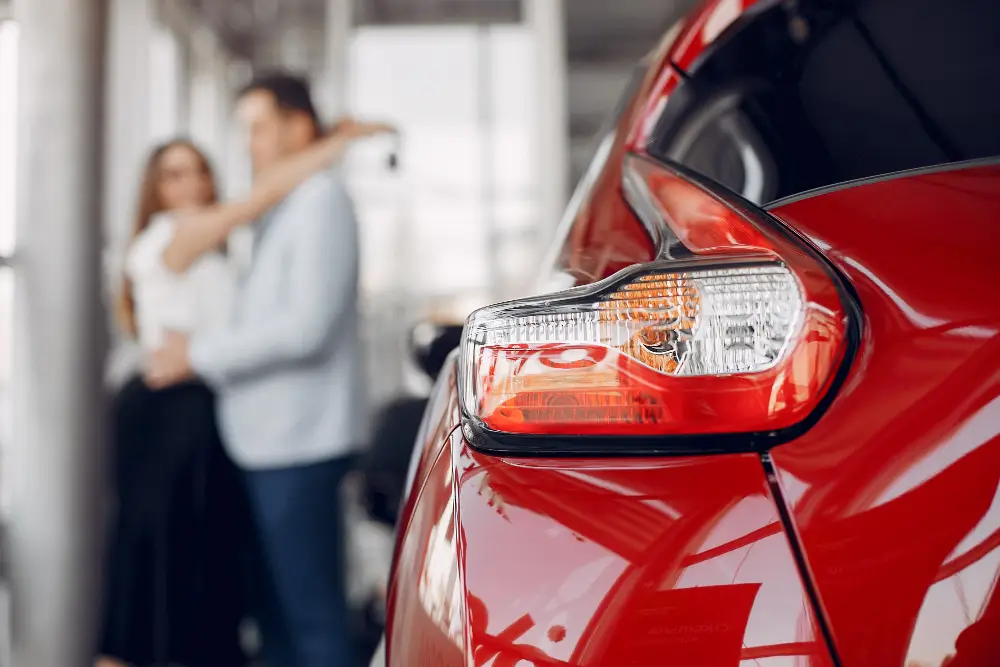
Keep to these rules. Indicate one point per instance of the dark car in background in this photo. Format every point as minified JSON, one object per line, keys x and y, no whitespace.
{"x":763,"y":426}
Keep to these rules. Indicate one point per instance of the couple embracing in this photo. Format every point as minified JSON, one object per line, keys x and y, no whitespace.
{"x":261,"y":372}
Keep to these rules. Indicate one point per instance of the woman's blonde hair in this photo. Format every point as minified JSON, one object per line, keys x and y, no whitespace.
{"x":149,"y":205}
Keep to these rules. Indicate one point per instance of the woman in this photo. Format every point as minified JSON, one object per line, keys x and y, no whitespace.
{"x":174,"y":588}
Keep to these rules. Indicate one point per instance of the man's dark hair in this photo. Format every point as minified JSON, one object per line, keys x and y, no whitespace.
{"x":291,"y":93}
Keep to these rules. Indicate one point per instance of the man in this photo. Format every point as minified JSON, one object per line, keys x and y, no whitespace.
{"x":287,"y":373}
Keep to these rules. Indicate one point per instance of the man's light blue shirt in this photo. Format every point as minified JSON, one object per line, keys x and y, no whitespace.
{"x":288,"y":369}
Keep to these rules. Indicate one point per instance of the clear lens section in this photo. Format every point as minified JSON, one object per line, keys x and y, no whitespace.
{"x":691,"y":323}
{"x":663,"y":351}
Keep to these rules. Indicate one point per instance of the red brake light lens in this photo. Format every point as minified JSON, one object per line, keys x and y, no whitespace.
{"x":743,"y":336}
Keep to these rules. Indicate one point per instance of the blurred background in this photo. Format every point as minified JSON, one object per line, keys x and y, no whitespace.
{"x":499,"y":103}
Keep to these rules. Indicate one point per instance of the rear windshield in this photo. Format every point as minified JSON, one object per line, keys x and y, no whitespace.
{"x":796,"y":99}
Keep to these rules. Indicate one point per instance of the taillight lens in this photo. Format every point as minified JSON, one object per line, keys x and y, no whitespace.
{"x":742,"y":336}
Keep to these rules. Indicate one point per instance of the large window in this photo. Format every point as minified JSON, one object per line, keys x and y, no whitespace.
{"x":454,"y":226}
{"x":466,"y":180}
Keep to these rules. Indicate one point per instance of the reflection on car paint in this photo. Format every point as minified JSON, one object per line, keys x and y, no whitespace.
{"x":896,"y":488}
{"x":673,"y":561}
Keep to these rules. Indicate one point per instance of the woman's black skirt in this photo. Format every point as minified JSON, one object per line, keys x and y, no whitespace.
{"x":175,"y":584}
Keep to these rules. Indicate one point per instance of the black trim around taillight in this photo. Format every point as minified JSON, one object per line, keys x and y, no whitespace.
{"x":496,"y":443}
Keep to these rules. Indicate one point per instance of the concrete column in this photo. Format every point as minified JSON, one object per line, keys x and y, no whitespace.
{"x":56,"y":535}
{"x":546,"y":19}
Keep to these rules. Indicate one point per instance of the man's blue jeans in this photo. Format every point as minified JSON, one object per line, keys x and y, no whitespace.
{"x":304,"y":621}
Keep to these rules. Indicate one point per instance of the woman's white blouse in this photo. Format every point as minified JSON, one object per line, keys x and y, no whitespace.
{"x":196,"y":300}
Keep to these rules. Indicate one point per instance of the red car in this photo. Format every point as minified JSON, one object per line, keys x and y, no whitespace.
{"x":763,"y":426}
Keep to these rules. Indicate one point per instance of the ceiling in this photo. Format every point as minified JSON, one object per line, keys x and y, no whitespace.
{"x":247,"y":24}
{"x":604,"y":40}
{"x":618,"y":30}
{"x":596,"y":30}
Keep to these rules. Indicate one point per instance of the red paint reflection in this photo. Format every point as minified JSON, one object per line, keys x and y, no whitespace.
{"x":684,"y":587}
{"x":895,"y":490}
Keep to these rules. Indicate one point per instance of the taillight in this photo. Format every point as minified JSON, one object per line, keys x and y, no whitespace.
{"x":737,"y":330}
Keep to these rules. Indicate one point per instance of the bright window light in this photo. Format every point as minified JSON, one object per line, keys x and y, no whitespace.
{"x":9,"y":34}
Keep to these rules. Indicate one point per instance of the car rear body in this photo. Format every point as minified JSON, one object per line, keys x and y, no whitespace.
{"x":869,"y":536}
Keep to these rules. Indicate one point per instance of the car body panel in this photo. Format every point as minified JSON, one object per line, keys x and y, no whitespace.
{"x":426,"y":616}
{"x":891,"y":496}
{"x":580,"y":562}
{"x":440,"y":418}
{"x":423,"y":620}
{"x":894,"y":492}
{"x":628,"y":562}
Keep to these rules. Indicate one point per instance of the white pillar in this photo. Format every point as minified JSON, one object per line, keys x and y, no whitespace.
{"x":235,"y":170}
{"x":333,"y":93}
{"x":165,"y":71}
{"x":546,"y":19}
{"x":127,"y":132}
{"x":59,"y":440}
{"x":208,"y":93}
{"x":225,"y":94}
{"x":127,"y":111}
